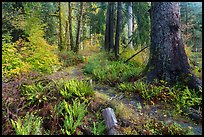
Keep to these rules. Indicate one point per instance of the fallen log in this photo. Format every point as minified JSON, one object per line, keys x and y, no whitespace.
{"x":110,"y":121}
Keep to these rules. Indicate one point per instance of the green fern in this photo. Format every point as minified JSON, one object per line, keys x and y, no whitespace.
{"x":74,"y":115}
{"x":28,"y":125}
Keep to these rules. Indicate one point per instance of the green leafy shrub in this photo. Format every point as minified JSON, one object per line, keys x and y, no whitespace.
{"x":12,"y":61}
{"x":74,"y":88}
{"x":23,"y":56}
{"x":74,"y":114}
{"x":28,"y":125}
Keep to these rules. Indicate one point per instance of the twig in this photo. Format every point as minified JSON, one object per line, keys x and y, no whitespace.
{"x":136,"y":54}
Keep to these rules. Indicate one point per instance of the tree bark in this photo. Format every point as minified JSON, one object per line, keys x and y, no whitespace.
{"x":117,"y":37}
{"x":107,"y":41}
{"x":66,"y":36}
{"x":111,"y":21}
{"x":60,"y":27}
{"x":70,"y":26}
{"x":130,"y":24}
{"x":79,"y":27}
{"x":168,"y":60}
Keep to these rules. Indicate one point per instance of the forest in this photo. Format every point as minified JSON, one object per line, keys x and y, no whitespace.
{"x":101,"y":68}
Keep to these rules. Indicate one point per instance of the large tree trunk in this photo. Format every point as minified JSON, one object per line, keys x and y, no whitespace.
{"x":106,"y":46}
{"x":60,"y":27}
{"x":70,"y":26}
{"x":111,"y":21}
{"x":117,"y":36}
{"x":130,"y":24}
{"x":168,"y":60}
{"x":79,"y":27}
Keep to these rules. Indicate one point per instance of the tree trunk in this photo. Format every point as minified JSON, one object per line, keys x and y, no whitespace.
{"x":186,"y":22}
{"x":66,"y":36}
{"x":107,"y":41}
{"x":60,"y":27}
{"x":117,"y":37}
{"x":130,"y":24}
{"x":168,"y":60}
{"x":79,"y":27}
{"x":70,"y":26}
{"x":111,"y":21}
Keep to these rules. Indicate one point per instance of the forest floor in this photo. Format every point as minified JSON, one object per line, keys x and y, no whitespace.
{"x":132,"y":113}
{"x":129,"y":108}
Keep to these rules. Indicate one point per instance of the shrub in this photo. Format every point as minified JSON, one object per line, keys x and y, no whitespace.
{"x":23,"y":56}
{"x":12,"y":61}
{"x":28,"y":125}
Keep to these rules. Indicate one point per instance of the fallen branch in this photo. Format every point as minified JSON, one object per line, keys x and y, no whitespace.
{"x":136,"y":54}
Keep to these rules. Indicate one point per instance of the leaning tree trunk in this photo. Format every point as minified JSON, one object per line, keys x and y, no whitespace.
{"x":168,"y":60}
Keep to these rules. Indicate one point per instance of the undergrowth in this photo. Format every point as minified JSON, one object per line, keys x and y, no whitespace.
{"x":180,"y":96}
{"x":111,"y":72}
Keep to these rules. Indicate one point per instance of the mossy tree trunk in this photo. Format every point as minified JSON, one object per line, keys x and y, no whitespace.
{"x":60,"y":27}
{"x":70,"y":26}
{"x":168,"y":60}
{"x":79,"y":29}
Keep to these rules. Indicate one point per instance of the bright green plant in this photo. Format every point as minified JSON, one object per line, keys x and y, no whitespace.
{"x":74,"y":88}
{"x":28,"y":125}
{"x":98,"y":128}
{"x":74,"y":114}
